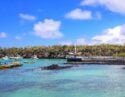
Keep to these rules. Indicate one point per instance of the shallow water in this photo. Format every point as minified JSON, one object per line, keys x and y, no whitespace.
{"x":79,"y":81}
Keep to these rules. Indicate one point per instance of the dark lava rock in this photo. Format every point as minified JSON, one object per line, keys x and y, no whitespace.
{"x":123,"y":67}
{"x":55,"y":67}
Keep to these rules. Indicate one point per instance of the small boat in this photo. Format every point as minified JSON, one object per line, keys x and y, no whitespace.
{"x":33,"y":61}
{"x":9,"y":66}
{"x":35,"y":57}
{"x":16,"y":58}
{"x":5,"y":58}
{"x":73,"y":57}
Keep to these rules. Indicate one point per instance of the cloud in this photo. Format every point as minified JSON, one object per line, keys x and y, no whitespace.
{"x":3,"y":35}
{"x":117,"y":6}
{"x":89,"y":2}
{"x":27,"y":17}
{"x":79,"y":14}
{"x":48,"y":29}
{"x":114,"y":35}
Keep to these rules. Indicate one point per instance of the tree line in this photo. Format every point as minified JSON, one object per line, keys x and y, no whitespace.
{"x":61,"y":51}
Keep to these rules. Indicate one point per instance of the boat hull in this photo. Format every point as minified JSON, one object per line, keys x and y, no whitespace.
{"x":74,"y":59}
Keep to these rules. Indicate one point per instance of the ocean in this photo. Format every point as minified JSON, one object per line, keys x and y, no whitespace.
{"x":79,"y":81}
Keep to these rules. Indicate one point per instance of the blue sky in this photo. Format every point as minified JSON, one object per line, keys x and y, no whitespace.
{"x":50,"y":22}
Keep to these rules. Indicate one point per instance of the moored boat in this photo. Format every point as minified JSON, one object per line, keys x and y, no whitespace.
{"x":73,"y":56}
{"x":16,"y":58}
{"x":5,"y":58}
{"x":9,"y":66}
{"x":35,"y":57}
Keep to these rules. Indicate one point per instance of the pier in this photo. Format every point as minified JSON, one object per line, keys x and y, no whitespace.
{"x":109,"y":60}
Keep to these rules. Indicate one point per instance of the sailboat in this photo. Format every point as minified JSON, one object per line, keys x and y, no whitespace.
{"x":73,"y":56}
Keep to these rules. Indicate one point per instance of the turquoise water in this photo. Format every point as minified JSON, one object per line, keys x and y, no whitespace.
{"x":79,"y":81}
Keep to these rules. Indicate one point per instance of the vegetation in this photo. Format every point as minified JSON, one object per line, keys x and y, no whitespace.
{"x":121,"y":54}
{"x":58,"y":51}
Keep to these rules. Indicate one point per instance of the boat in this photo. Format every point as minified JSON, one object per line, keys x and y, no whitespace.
{"x":74,"y":59}
{"x":9,"y":66}
{"x":35,"y":57}
{"x":73,"y":56}
{"x":5,"y":58}
{"x":17,"y":57}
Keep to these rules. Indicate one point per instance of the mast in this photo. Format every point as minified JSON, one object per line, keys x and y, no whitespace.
{"x":75,"y":50}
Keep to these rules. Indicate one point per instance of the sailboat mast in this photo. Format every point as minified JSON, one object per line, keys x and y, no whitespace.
{"x":75,"y":49}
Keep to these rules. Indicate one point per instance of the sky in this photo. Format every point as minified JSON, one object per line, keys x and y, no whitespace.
{"x":61,"y":22}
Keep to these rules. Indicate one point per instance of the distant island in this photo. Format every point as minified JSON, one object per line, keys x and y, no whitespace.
{"x":62,"y":51}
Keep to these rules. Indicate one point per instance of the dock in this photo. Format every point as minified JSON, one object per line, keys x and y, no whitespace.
{"x":99,"y":60}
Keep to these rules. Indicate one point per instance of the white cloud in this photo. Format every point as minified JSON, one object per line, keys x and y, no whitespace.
{"x":114,"y":35}
{"x":117,"y":6}
{"x":3,"y":35}
{"x":89,"y":2}
{"x":79,"y":14}
{"x":27,"y":17}
{"x":48,"y":29}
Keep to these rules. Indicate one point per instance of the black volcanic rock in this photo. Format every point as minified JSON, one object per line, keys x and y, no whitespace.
{"x":55,"y":67}
{"x":123,"y":67}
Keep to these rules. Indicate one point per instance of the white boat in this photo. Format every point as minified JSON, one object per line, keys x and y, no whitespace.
{"x":5,"y":58}
{"x":35,"y":57}
{"x":73,"y":56}
{"x":16,"y":58}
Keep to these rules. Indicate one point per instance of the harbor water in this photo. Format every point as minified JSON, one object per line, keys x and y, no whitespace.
{"x":79,"y":81}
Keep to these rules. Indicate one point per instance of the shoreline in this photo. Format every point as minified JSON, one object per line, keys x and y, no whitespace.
{"x":91,"y":61}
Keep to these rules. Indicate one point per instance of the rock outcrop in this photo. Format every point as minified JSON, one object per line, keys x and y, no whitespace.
{"x":55,"y":67}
